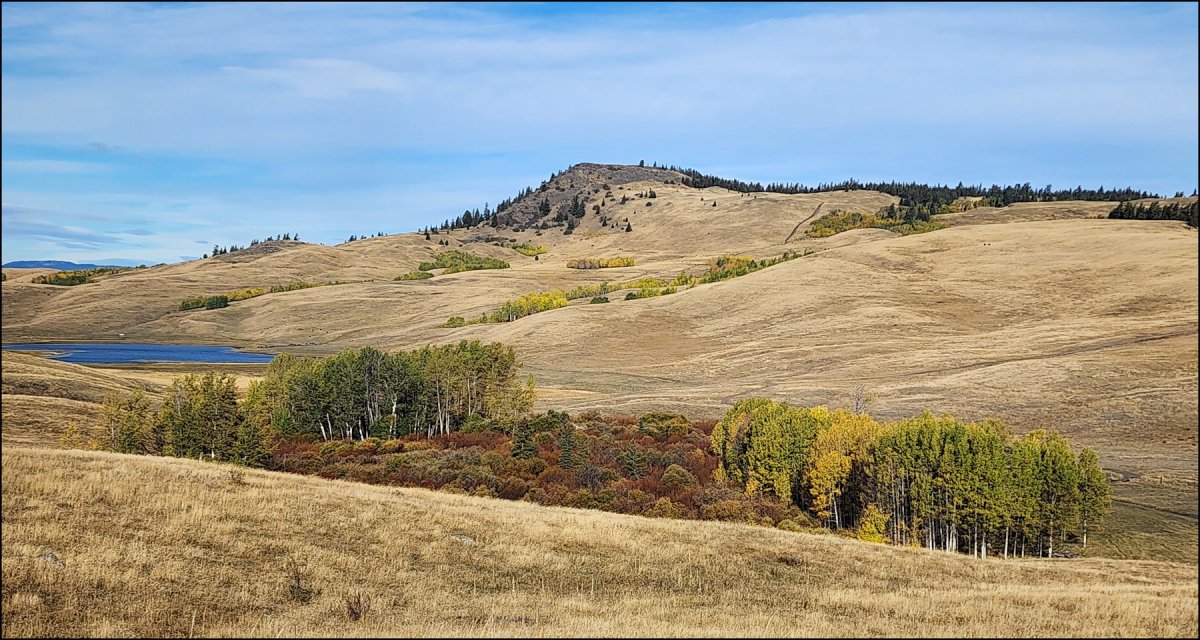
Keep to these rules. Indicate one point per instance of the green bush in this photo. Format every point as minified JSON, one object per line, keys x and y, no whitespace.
{"x":677,"y":476}
{"x":904,"y":223}
{"x":631,"y":296}
{"x":72,"y":278}
{"x":527,"y":249}
{"x":663,"y":424}
{"x":192,"y":303}
{"x":414,"y":275}
{"x":455,"y":322}
{"x":599,"y":300}
{"x":223,"y":300}
{"x":455,"y":261}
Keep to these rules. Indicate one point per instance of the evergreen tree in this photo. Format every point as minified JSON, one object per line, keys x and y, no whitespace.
{"x":567,"y":445}
{"x":128,"y":424}
{"x":248,"y":447}
{"x":522,"y":443}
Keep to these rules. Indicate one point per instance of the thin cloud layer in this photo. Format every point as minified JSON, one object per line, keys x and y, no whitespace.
{"x":336,"y":119}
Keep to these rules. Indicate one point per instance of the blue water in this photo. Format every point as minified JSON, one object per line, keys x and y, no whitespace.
{"x":133,"y":353}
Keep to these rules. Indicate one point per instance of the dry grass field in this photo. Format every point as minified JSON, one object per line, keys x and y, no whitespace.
{"x":156,"y":546}
{"x":1040,"y":314}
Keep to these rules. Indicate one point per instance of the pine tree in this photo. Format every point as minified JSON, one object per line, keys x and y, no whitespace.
{"x":248,"y":447}
{"x":567,"y":445}
{"x":628,"y":227}
{"x":522,"y":442}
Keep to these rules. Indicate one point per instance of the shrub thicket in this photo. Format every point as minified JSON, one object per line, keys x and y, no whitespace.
{"x":72,"y":278}
{"x":599,"y":263}
{"x":414,"y":275}
{"x":456,"y":261}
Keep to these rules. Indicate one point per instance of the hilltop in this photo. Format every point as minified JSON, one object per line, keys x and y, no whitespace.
{"x":178,"y":547}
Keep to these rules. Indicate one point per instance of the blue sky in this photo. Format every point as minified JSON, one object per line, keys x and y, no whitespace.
{"x":150,"y":132}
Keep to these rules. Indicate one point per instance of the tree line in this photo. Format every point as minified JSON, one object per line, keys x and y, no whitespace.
{"x":599,"y":263}
{"x":218,"y":250}
{"x":929,"y":481}
{"x":353,"y":395}
{"x":443,"y":417}
{"x":222,"y":300}
{"x":1182,"y":211}
{"x":456,"y":261}
{"x":83,"y":276}
{"x":931,"y":196}
{"x":903,"y":220}
{"x":921,"y":198}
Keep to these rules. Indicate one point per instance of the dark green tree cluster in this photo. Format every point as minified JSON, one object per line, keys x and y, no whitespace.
{"x":455,"y":261}
{"x":469,"y":219}
{"x":928,"y":197}
{"x":204,"y":302}
{"x":1185,"y":212}
{"x":355,"y":237}
{"x":283,"y":236}
{"x":199,"y":418}
{"x":905,"y":220}
{"x":354,"y":395}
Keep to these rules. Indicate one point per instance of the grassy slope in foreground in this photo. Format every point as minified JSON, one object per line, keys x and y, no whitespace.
{"x":156,"y":546}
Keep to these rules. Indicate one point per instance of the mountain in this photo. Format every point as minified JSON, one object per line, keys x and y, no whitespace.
{"x":62,"y":265}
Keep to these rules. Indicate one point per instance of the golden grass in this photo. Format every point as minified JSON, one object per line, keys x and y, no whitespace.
{"x":31,"y":375}
{"x":157,"y":546}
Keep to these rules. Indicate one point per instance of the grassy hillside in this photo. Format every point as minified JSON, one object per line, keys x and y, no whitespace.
{"x":152,"y":546}
{"x":41,"y":396}
{"x":1040,"y":314}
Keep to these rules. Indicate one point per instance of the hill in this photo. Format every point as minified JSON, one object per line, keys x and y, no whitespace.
{"x":104,"y":544}
{"x":63,"y":265}
{"x":41,"y":396}
{"x":1042,"y":314}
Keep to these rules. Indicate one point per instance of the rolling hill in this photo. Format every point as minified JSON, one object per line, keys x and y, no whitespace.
{"x":1040,"y":314}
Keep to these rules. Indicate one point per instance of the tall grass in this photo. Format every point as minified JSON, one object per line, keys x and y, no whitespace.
{"x":169,"y":547}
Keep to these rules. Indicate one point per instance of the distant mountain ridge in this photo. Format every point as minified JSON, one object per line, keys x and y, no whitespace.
{"x":61,"y":265}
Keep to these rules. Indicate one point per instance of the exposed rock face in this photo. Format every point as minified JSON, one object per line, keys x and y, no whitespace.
{"x":587,"y":181}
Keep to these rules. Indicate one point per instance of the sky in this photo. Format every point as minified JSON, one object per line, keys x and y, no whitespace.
{"x":150,"y":132}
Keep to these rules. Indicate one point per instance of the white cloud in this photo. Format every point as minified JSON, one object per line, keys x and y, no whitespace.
{"x":326,"y":78}
{"x":332,"y":118}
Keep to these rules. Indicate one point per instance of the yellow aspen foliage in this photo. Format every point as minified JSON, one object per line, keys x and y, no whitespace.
{"x":826,"y":479}
{"x":761,"y":444}
{"x":599,"y":263}
{"x":72,"y":437}
{"x":872,"y":526}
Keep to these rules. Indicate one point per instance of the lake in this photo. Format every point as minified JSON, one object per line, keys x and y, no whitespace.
{"x":135,"y":353}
